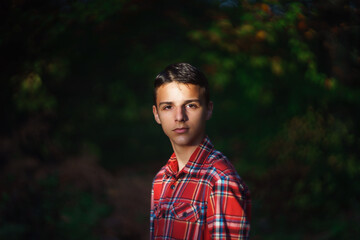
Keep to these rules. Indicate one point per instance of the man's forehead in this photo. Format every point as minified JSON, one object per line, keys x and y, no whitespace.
{"x":179,"y":91}
{"x":166,"y":87}
{"x":180,"y":85}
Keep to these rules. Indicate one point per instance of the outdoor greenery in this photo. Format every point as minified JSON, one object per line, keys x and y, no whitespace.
{"x":78,"y":143}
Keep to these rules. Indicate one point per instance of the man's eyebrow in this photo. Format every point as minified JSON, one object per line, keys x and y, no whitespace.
{"x":165,"y":103}
{"x":187,"y":101}
{"x":192,"y":100}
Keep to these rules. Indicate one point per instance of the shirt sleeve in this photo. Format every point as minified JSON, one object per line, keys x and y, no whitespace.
{"x":152,"y":214}
{"x":228,"y":213}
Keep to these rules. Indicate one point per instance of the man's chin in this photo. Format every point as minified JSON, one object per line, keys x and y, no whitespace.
{"x":184,"y":141}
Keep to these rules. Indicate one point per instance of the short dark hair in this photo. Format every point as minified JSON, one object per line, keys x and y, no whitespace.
{"x":182,"y":73}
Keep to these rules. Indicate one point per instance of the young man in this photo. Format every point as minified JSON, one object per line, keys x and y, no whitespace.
{"x":197,"y":194}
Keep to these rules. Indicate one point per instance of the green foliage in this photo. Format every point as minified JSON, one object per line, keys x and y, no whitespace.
{"x":80,"y":216}
{"x":97,"y":11}
{"x":266,"y":42}
{"x":283,"y":78}
{"x":31,"y":95}
{"x":319,"y":149}
{"x":45,"y":210}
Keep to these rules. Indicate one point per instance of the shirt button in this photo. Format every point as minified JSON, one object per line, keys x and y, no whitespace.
{"x":172,"y":186}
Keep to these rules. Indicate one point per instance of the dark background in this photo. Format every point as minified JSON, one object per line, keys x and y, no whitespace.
{"x":78,"y":143}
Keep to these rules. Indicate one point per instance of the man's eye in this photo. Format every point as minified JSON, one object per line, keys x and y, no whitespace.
{"x":191,"y":105}
{"x":166,"y":107}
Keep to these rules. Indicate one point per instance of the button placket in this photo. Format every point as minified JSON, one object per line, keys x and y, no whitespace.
{"x":173,"y":185}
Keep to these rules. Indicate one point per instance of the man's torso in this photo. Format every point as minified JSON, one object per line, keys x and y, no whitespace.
{"x":180,"y":199}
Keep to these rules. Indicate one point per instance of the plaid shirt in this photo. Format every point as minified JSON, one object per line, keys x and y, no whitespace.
{"x":205,"y":200}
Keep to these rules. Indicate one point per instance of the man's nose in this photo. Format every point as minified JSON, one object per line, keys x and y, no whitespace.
{"x":181,"y":114}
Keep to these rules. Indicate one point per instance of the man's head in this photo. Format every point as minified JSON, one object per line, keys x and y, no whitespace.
{"x":182,"y":73}
{"x":182,"y":104}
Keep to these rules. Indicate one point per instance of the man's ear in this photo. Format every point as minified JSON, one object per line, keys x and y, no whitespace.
{"x":156,"y":115}
{"x":209,"y":110}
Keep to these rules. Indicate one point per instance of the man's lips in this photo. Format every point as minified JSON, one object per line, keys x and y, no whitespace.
{"x":181,"y":130}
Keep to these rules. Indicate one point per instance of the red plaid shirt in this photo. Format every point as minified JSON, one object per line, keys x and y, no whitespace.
{"x":205,"y":200}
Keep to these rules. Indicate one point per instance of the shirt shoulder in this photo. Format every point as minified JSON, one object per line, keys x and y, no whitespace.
{"x":225,"y":173}
{"x":221,"y":167}
{"x":159,"y":176}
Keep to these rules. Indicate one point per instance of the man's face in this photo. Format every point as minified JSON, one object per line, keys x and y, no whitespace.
{"x":182,"y":112}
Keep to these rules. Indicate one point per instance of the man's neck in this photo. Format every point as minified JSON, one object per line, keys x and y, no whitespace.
{"x":183,"y":154}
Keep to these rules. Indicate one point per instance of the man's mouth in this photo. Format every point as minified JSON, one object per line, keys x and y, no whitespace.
{"x":181,"y":130}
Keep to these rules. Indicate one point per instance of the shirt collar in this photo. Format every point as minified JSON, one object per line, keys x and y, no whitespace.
{"x":196,"y":160}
